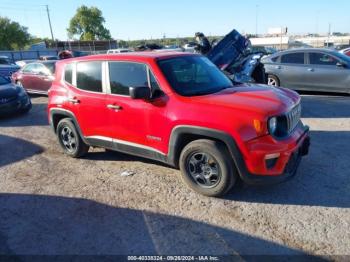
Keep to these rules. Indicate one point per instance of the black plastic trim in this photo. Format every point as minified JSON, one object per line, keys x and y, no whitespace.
{"x":58,"y":111}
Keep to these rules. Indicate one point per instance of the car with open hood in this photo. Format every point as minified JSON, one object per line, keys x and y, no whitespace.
{"x":235,"y":56}
{"x":180,"y":109}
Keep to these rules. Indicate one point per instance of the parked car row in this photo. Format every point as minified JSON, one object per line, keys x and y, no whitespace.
{"x":309,"y":69}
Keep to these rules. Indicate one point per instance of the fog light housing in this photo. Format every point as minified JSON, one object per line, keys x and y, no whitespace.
{"x":271,"y":160}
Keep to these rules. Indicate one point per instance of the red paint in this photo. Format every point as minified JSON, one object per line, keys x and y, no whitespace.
{"x":232,"y":111}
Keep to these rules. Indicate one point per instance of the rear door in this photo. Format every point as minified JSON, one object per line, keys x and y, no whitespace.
{"x":290,"y":70}
{"x":324,"y":74}
{"x":86,"y":97}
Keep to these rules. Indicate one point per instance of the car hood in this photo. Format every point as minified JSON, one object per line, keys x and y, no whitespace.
{"x":10,"y":66}
{"x":8,"y":90}
{"x":229,"y":50}
{"x":261,"y":99}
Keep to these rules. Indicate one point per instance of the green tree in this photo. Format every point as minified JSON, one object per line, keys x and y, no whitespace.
{"x":12,"y":35}
{"x":87,"y":23}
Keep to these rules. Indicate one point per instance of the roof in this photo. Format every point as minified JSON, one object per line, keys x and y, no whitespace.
{"x":306,"y":50}
{"x":139,"y":56}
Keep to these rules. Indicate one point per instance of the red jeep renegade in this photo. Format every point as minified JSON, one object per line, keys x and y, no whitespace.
{"x":179,"y":109}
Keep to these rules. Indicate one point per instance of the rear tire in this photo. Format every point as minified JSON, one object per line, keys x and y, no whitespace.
{"x":70,"y":140}
{"x":273,"y":80}
{"x":207,"y":167}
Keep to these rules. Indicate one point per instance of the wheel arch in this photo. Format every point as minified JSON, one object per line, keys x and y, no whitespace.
{"x":182,"y":135}
{"x":57,"y":114}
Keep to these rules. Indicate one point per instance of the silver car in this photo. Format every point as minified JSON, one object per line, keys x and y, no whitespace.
{"x":309,"y":69}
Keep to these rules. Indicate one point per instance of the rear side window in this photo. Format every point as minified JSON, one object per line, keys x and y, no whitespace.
{"x":89,"y":76}
{"x":322,"y":59}
{"x":294,"y":58}
{"x":123,"y":75}
{"x":68,"y":73}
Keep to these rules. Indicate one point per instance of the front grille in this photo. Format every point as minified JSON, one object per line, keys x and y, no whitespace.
{"x":293,"y":118}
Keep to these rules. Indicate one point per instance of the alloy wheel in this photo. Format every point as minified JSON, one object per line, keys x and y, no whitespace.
{"x":68,"y":139}
{"x":204,"y":169}
{"x":271,"y":82}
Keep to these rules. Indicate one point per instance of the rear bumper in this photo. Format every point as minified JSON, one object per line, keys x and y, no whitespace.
{"x":289,"y":153}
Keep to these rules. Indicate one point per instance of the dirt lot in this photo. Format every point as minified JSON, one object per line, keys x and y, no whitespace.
{"x":51,"y":204}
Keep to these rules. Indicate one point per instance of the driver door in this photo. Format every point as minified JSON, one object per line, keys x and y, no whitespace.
{"x":325,"y":74}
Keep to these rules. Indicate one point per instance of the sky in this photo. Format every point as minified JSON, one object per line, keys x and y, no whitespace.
{"x":147,"y":19}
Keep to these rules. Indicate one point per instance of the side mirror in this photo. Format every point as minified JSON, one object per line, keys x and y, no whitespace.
{"x":140,"y":92}
{"x":341,"y":64}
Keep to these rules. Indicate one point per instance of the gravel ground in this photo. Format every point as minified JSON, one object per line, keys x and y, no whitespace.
{"x":51,"y":204}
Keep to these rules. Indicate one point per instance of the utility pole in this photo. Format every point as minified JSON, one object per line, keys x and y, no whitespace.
{"x":329,"y":34}
{"x":48,"y":16}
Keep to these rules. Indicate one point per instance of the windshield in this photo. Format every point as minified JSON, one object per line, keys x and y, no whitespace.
{"x":344,"y":57}
{"x":4,"y":61}
{"x":4,"y":80}
{"x":194,"y":75}
{"x":51,"y":67}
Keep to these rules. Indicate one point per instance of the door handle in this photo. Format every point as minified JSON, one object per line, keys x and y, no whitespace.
{"x":73,"y":100}
{"x":310,"y":69}
{"x":114,"y":107}
{"x":278,"y":67}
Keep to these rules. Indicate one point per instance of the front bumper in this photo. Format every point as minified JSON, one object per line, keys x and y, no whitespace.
{"x":14,"y":106}
{"x":255,"y":169}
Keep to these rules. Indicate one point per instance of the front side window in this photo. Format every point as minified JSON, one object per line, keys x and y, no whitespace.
{"x":294,"y":58}
{"x":4,"y":61}
{"x":322,"y":59}
{"x":123,"y":75}
{"x":194,"y":75}
{"x":89,"y":76}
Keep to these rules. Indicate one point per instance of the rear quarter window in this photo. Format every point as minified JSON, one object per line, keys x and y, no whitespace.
{"x":68,"y":73}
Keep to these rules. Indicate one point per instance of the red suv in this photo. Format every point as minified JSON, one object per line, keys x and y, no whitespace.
{"x":179,"y":109}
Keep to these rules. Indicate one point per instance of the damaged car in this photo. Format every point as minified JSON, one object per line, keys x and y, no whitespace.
{"x":235,"y":57}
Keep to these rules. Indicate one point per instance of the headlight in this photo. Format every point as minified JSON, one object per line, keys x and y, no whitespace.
{"x":21,"y":91}
{"x":272,"y":125}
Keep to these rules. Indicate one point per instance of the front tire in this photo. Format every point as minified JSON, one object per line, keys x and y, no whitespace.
{"x":207,"y":167}
{"x":70,"y":140}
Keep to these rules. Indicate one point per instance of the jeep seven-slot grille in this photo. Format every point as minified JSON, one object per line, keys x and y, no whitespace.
{"x":293,"y":118}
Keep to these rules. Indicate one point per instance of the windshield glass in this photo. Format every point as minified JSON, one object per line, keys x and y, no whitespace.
{"x":194,"y":75}
{"x":4,"y":61}
{"x":4,"y":80}
{"x":343,"y":57}
{"x":51,"y":67}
